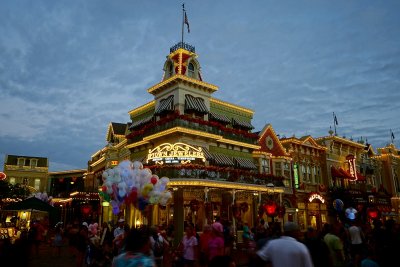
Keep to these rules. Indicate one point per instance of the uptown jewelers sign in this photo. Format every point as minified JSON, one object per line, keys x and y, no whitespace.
{"x":178,"y":153}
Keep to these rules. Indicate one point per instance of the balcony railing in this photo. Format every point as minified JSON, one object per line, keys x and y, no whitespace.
{"x":182,"y":45}
{"x":217,"y":174}
{"x":136,"y":136}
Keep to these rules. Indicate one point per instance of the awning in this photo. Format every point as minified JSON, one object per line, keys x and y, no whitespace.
{"x":140,"y":159}
{"x":219,"y":117}
{"x":207,"y":154}
{"x":195,"y":103}
{"x":243,"y":124}
{"x":336,"y":173}
{"x":140,"y":122}
{"x":223,"y":160}
{"x":166,"y":104}
{"x":245,"y":163}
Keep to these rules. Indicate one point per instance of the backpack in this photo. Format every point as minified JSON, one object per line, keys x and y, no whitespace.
{"x":158,"y":247}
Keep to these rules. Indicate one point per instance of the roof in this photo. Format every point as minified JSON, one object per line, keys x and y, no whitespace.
{"x":13,"y":160}
{"x":31,"y":203}
{"x":118,"y":128}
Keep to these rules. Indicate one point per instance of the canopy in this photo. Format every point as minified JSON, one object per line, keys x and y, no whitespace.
{"x":34,"y":204}
{"x":31,"y":203}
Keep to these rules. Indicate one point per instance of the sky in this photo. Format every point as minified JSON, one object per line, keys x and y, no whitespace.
{"x":69,"y":68}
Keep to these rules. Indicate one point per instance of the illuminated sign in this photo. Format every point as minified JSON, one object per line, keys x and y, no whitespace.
{"x":2,"y":176}
{"x":296,"y":175}
{"x":114,"y":162}
{"x":178,"y":153}
{"x":316,"y":196}
{"x":351,"y":159}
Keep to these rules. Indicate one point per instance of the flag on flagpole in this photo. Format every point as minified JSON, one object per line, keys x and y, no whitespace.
{"x":335,"y":119}
{"x":392,"y":134}
{"x":187,"y":22}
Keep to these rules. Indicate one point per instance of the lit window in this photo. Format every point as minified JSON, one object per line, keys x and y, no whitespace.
{"x":37,"y":184}
{"x":12,"y":180}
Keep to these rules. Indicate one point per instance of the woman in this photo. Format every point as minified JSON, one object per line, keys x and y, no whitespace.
{"x":216,"y":245}
{"x":205,"y":237}
{"x":190,"y":244}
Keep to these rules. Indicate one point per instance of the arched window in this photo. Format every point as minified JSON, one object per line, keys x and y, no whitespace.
{"x":191,"y":71}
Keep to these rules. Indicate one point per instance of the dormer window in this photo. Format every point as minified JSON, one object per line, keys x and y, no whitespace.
{"x":21,"y":162}
{"x":191,"y":71}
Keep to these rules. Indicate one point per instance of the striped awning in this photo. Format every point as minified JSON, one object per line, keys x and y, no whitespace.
{"x":219,"y":117}
{"x":243,"y":124}
{"x":140,"y":122}
{"x":140,"y":159}
{"x":223,"y":160}
{"x":207,"y":154}
{"x":245,"y":163}
{"x":166,"y":104}
{"x":195,"y":103}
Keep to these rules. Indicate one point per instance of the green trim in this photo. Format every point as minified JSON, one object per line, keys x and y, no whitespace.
{"x":230,"y":152}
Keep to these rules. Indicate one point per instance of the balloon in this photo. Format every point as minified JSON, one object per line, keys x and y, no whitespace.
{"x":142,"y":204}
{"x":104,"y":188}
{"x":154,"y":179}
{"x":115,"y":210}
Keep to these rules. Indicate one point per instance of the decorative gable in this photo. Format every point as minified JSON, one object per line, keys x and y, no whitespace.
{"x":270,"y":143}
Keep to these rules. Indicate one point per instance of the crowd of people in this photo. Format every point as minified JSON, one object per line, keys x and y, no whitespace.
{"x":92,"y":245}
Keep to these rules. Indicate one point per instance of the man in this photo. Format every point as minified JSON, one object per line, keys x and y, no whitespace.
{"x":335,"y":245}
{"x":119,"y":234}
{"x":286,"y":250}
{"x":136,"y":252}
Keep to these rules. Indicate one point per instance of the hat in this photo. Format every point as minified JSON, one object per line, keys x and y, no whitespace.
{"x":121,"y":220}
{"x":85,"y":224}
{"x":217,"y":227}
{"x":290,"y":227}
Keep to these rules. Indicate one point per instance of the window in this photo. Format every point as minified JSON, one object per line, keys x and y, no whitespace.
{"x":21,"y":162}
{"x":34,"y":163}
{"x":278,"y":168}
{"x":191,"y":70}
{"x":303,"y":170}
{"x":265,"y":166}
{"x":37,"y":184}
{"x":12,"y":180}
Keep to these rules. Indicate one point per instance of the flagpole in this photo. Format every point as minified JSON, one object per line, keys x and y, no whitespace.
{"x":183,"y":21}
{"x":334,"y":123}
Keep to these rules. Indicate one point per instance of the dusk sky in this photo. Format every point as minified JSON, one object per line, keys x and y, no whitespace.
{"x":69,"y":68}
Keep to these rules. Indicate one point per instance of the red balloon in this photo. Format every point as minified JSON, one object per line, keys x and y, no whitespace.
{"x":104,"y":188}
{"x":153,"y":180}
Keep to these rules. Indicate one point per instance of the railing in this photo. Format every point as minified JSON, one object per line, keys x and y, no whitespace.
{"x":183,"y":45}
{"x":234,"y":175}
{"x":194,"y":126}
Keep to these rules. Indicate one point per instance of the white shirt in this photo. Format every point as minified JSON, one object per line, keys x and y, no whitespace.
{"x":286,"y":251}
{"x":355,"y":235}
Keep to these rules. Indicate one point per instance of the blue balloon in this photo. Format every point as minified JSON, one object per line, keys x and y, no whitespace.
{"x":142,"y":203}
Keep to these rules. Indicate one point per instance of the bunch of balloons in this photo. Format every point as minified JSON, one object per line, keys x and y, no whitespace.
{"x":44,"y":197}
{"x":130,"y":183}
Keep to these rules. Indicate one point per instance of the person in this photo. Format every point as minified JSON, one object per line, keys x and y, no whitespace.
{"x":119,"y":236}
{"x":248,"y":237}
{"x":82,"y":242}
{"x":58,"y":238}
{"x":37,"y":235}
{"x":205,"y":237}
{"x":216,"y":246}
{"x":158,"y":245}
{"x":319,"y":251}
{"x":286,"y":250}
{"x":335,"y":245}
{"x":190,"y":244}
{"x":369,"y":261}
{"x":137,"y":250}
{"x":356,"y":243}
